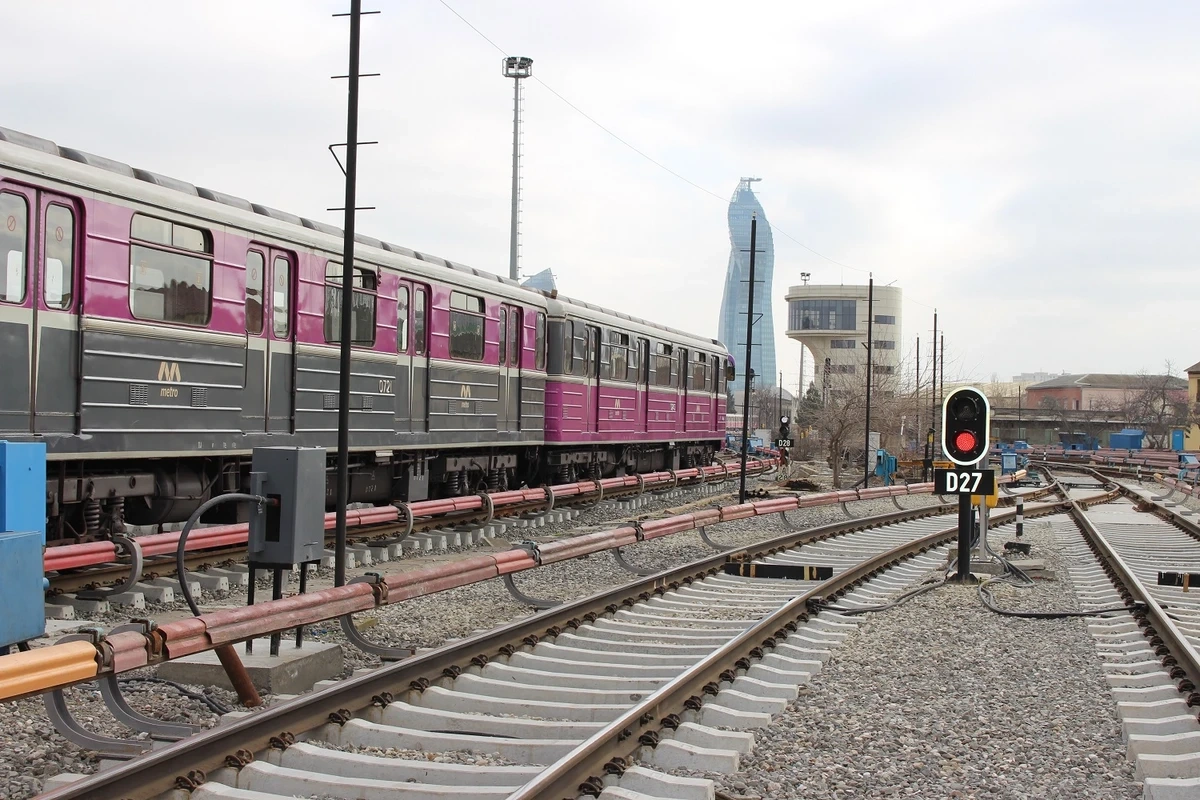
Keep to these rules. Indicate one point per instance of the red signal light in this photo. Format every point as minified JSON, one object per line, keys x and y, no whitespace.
{"x":964,"y":441}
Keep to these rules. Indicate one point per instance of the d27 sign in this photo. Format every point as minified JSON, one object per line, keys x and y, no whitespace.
{"x":964,"y":481}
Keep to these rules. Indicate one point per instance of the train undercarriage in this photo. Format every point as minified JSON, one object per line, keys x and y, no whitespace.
{"x":95,"y":500}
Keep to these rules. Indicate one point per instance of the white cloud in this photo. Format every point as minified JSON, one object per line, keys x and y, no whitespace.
{"x":1029,"y":169}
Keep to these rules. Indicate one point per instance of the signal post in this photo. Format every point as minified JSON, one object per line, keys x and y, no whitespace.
{"x":965,"y":427}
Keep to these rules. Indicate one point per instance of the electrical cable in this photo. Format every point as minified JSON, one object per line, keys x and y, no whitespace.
{"x":215,"y":705}
{"x":181,"y":549}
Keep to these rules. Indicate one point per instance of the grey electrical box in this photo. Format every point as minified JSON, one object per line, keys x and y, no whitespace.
{"x":290,"y":530}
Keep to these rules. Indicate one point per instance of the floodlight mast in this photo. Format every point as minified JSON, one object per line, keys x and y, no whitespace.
{"x":517,"y":68}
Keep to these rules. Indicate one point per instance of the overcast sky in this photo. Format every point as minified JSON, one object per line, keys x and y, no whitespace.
{"x":1032,"y":169}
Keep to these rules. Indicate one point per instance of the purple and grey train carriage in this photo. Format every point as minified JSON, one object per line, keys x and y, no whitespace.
{"x":153,"y":332}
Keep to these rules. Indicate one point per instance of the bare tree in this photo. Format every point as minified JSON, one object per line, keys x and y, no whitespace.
{"x":841,"y":422}
{"x":1158,"y":404}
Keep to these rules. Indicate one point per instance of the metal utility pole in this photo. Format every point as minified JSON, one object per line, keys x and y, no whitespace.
{"x":746,"y":370}
{"x":933,"y":410}
{"x":870,"y":350}
{"x":942,"y":362}
{"x":917,"y":390}
{"x":343,"y":440}
{"x":779,"y":403}
{"x":516,"y":67}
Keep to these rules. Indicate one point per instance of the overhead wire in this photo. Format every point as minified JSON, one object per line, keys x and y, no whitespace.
{"x":774,"y":227}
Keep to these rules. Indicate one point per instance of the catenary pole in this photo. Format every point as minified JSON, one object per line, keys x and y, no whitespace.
{"x":870,"y":343}
{"x":343,"y":436}
{"x":746,"y":369}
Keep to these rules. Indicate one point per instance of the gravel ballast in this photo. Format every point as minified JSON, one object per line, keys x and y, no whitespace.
{"x":942,"y":698}
{"x":31,"y":750}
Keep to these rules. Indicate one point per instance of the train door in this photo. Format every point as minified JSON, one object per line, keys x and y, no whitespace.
{"x":643,"y":385}
{"x":418,"y":403}
{"x":18,"y":211}
{"x":718,"y":395}
{"x":508,"y":413}
{"x":592,"y":388}
{"x":39,"y":325}
{"x":281,"y":343}
{"x":55,"y":305}
{"x":403,"y":421}
{"x":683,"y":420}
{"x":268,"y":402}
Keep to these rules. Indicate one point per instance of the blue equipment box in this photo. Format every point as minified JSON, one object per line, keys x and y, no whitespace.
{"x":21,"y":592}
{"x":22,"y":539}
{"x":23,"y":487}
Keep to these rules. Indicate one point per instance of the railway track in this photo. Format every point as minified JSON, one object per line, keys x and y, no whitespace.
{"x":664,"y":666}
{"x":1130,"y":547}
{"x":116,"y":576}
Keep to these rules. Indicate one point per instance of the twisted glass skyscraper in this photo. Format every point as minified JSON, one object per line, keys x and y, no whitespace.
{"x":732,"y":328}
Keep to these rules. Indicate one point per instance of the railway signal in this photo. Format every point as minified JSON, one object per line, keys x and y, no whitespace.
{"x":965,"y":442}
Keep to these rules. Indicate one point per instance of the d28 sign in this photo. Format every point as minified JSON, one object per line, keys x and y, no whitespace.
{"x":964,"y":481}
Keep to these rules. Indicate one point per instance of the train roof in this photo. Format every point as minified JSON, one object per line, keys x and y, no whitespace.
{"x":107,"y":175}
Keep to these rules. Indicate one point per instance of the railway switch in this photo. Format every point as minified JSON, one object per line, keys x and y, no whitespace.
{"x":290,"y":529}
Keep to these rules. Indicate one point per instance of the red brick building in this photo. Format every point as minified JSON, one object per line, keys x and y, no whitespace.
{"x":1099,"y":391}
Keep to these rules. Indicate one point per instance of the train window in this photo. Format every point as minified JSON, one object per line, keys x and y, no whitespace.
{"x":716,"y":375}
{"x":579,"y":355}
{"x":617,"y":352}
{"x":13,"y":242}
{"x":255,"y":265}
{"x":167,"y":281}
{"x":420,"y":315}
{"x":362,"y":304}
{"x":634,"y":362}
{"x":466,"y":326}
{"x":568,"y":351}
{"x":402,"y":320}
{"x":682,"y":373}
{"x":540,"y":341}
{"x":700,"y":372}
{"x":514,"y":338}
{"x":502,"y":337}
{"x":59,"y":253}
{"x":149,"y":229}
{"x":663,"y":364}
{"x":281,"y":297}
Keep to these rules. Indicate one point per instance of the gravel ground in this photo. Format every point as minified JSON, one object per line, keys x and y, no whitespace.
{"x":987,"y":706}
{"x":31,"y":750}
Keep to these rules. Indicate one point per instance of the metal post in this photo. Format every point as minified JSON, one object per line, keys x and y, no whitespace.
{"x":867,"y":433}
{"x":746,"y":369}
{"x":933,"y":411}
{"x":942,"y":362}
{"x":516,"y":67}
{"x":779,"y":402}
{"x":1020,"y":516}
{"x":516,"y":167}
{"x":964,"y":539}
{"x":917,"y":390}
{"x":276,"y":594}
{"x":343,"y":441}
{"x":303,"y":588}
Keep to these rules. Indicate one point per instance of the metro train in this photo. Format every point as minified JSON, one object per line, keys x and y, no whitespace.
{"x":153,"y":332}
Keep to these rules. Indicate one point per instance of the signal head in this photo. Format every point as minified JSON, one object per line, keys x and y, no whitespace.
{"x":965,"y":426}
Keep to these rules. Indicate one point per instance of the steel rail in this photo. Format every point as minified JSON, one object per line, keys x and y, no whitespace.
{"x":612,"y":749}
{"x":157,"y":772}
{"x":1156,"y":626}
{"x":97,"y":561}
